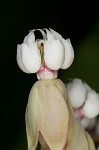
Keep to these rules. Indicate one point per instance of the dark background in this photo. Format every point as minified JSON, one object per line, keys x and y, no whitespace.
{"x":78,"y":20}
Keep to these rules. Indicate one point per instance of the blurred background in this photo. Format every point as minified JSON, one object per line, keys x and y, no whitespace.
{"x":77,"y":20}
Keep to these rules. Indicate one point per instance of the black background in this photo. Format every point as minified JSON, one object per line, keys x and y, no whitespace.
{"x":73,"y":19}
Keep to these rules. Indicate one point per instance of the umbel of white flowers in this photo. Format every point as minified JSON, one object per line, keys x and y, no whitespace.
{"x":52,"y":50}
{"x":83,"y":98}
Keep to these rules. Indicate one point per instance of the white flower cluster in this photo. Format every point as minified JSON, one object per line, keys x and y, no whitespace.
{"x":82,"y":96}
{"x":58,"y":52}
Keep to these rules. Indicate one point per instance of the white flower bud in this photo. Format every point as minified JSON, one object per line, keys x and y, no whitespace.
{"x":91,"y":106}
{"x":77,"y":93}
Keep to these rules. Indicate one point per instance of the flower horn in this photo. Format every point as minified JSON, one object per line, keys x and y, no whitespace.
{"x":28,"y":54}
{"x":69,"y":52}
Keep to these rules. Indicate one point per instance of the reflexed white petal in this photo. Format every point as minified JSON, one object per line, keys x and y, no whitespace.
{"x":30,"y":38}
{"x":56,"y":34}
{"x":91,"y":106}
{"x":19,"y":60}
{"x":50,"y":36}
{"x":31,"y":58}
{"x":43,"y":33}
{"x":69,"y":54}
{"x":77,"y":93}
{"x":53,"y":54}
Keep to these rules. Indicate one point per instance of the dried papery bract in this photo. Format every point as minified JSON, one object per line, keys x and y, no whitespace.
{"x":51,"y":117}
{"x":49,"y":114}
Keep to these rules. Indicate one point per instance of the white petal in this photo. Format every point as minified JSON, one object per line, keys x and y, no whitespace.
{"x":50,"y":36}
{"x":53,"y":54}
{"x":43,"y":33}
{"x":30,"y":38}
{"x":19,"y":60}
{"x":77,"y":93}
{"x":56,"y":34}
{"x":31,"y":58}
{"x":91,"y":106}
{"x":69,"y":54}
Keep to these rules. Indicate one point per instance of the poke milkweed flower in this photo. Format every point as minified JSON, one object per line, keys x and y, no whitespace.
{"x":51,"y":53}
{"x":49,"y":115}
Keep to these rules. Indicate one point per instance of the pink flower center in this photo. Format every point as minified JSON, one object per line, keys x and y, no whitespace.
{"x":46,"y":73}
{"x":78,"y":113}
